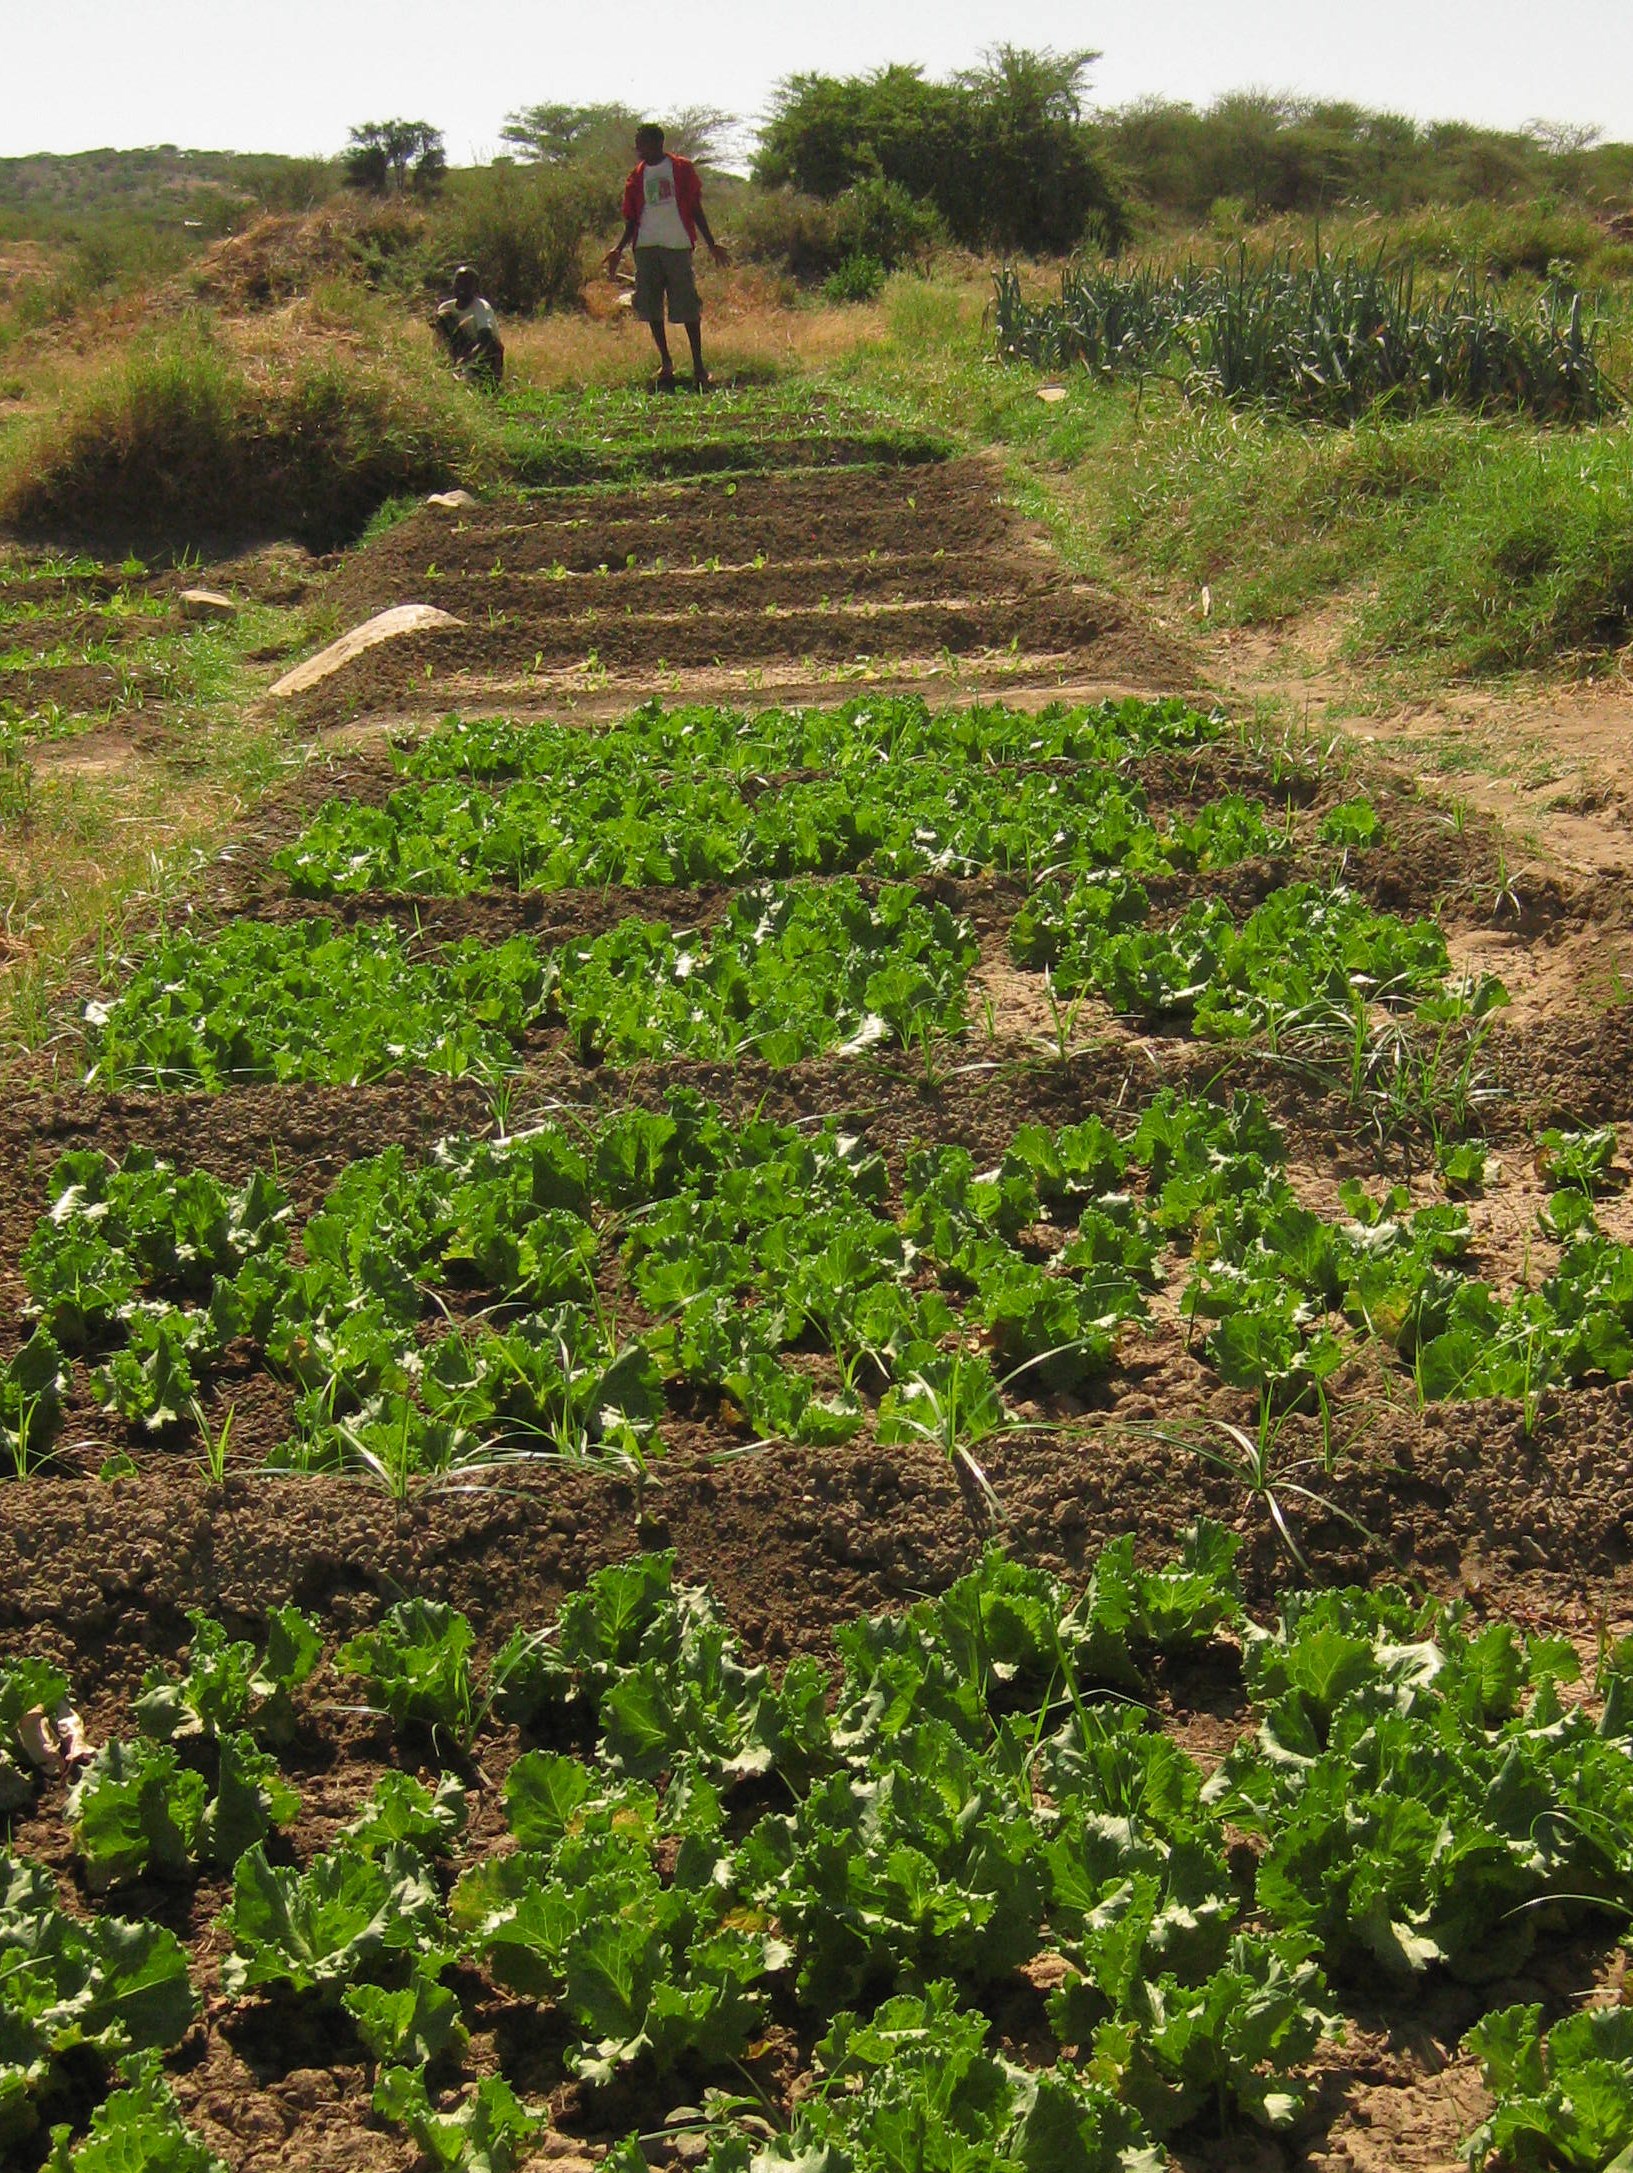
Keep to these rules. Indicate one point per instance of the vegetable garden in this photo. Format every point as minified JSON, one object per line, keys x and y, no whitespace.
{"x":818,"y":1436}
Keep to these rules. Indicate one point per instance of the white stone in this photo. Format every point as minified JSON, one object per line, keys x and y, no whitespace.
{"x":206,"y":604}
{"x":453,"y":500}
{"x":384,"y":626}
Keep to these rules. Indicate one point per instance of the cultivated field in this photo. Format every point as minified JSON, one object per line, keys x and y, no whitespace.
{"x":902,"y":1359}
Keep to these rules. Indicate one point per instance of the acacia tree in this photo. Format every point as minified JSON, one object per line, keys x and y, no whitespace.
{"x":560,"y":135}
{"x":388,"y":158}
{"x":556,"y":135}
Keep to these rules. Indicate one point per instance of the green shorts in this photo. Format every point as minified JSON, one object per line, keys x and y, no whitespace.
{"x":666,"y":271}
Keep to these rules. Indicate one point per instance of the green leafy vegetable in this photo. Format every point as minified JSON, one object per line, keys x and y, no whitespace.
{"x":348,"y":1918}
{"x":488,"y":2133}
{"x":418,"y":2023}
{"x":66,"y":1982}
{"x":418,"y":1665}
{"x":139,"y":2129}
{"x":138,"y":1811}
{"x":228,"y":1687}
{"x":1564,"y":2099}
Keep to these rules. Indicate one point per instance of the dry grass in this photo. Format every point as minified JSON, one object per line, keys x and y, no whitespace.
{"x":753,"y":324}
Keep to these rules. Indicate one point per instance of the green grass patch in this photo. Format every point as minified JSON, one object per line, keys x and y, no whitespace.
{"x":624,"y":435}
{"x":1455,"y":542}
{"x":179,"y":443}
{"x":1524,"y":556}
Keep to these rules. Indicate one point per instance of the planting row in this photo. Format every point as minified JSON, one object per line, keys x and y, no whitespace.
{"x":681,"y":796}
{"x":79,"y":639}
{"x":864,"y":734}
{"x":977,"y":1805}
{"x":789,"y":971}
{"x":599,"y":822}
{"x":547,"y":1294}
{"x":1335,"y":340}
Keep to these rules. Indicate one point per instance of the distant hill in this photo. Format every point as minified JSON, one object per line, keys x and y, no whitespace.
{"x":162,"y":185}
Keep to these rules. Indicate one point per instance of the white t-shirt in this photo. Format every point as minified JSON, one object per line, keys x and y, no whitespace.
{"x":662,"y":226}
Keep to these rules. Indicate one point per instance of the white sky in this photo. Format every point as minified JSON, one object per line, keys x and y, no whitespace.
{"x":293,"y":75}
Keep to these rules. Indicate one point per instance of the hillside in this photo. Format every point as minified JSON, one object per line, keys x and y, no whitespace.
{"x":160,"y":183}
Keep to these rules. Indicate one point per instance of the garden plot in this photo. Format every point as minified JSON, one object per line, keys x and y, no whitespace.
{"x":476,"y":1898}
{"x":760,"y":579}
{"x":946,"y":906}
{"x":572,"y":1219}
{"x":83,"y":644}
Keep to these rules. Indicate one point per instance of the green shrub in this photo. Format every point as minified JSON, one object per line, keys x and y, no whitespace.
{"x":525,"y":230}
{"x":178,"y":442}
{"x":812,"y":240}
{"x":878,"y":219}
{"x":1005,"y":151}
{"x":858,"y":279}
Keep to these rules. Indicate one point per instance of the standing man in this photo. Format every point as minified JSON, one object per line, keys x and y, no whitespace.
{"x":663,"y":216}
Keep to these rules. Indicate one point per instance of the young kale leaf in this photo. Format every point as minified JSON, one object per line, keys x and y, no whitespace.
{"x":227,"y":1687}
{"x":417,"y":1664}
{"x":348,"y":1917}
{"x":1564,"y":2100}
{"x":139,"y":2129}
{"x":490,"y":2132}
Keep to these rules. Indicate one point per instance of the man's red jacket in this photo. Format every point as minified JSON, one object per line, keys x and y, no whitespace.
{"x":688,"y":194}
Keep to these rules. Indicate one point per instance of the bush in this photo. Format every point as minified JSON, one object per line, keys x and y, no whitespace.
{"x":879,"y":220}
{"x":858,"y":279}
{"x":1004,"y":151}
{"x":813,"y":240}
{"x":178,"y":444}
{"x":525,"y":230}
{"x":798,"y":234}
{"x":107,"y":258}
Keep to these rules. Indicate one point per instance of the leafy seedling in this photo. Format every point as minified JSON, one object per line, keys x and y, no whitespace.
{"x":489,"y":2132}
{"x":417,"y":1667}
{"x":229,"y":1686}
{"x":350,"y":1917}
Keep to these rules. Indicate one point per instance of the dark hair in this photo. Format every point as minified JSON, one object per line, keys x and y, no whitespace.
{"x":649,"y":132}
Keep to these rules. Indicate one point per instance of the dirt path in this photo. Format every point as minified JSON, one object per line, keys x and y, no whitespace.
{"x":1552,"y":762}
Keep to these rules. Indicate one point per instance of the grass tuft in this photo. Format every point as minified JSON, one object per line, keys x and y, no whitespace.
{"x":1524,"y":557}
{"x":182,"y":444}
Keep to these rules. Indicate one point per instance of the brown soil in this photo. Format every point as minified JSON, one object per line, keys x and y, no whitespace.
{"x":955,"y":507}
{"x":80,"y":689}
{"x":78,"y":629}
{"x":902,"y":567}
{"x":1547,"y":757}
